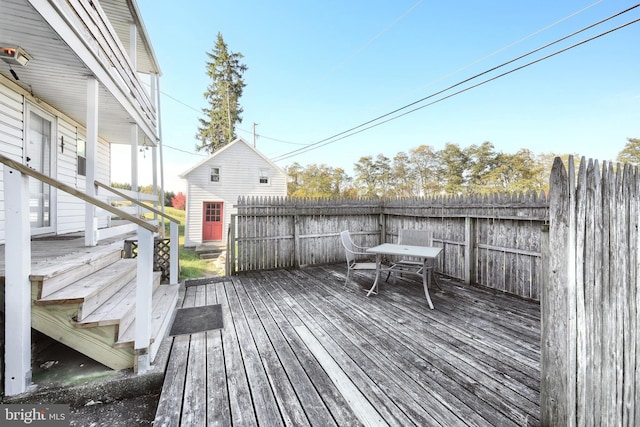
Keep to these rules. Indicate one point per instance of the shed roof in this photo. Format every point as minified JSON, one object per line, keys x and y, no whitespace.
{"x":238,"y":140}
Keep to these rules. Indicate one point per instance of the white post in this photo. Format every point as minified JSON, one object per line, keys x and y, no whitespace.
{"x":17,"y":285}
{"x":144,"y":290}
{"x":91,"y":222}
{"x":134,"y":157}
{"x":173,"y":253}
{"x":154,"y":153}
{"x":154,"y":178}
{"x":156,"y":79}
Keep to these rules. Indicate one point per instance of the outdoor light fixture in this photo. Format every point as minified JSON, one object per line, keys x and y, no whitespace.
{"x":14,"y":55}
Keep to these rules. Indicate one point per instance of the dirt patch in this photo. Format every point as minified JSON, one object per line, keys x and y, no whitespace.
{"x":134,"y":412}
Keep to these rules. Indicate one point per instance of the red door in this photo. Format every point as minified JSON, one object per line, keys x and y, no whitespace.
{"x":212,"y":221}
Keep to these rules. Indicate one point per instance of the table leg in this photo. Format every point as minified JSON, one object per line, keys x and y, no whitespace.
{"x":375,"y":283}
{"x":426,"y":278}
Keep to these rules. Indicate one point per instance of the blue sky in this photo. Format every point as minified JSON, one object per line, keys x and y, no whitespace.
{"x":319,"y":67}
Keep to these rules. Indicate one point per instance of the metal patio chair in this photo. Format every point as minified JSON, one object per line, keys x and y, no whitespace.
{"x":413,"y":238}
{"x":351,"y":252}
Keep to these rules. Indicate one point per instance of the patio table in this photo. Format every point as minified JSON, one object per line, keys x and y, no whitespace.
{"x":426,"y":253}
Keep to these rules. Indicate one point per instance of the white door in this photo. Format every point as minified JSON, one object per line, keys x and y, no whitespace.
{"x":39,"y":155}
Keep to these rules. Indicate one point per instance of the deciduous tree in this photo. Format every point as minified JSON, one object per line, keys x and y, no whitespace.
{"x":453,"y":170}
{"x":631,"y":152}
{"x":179,"y":201}
{"x":424,"y":161}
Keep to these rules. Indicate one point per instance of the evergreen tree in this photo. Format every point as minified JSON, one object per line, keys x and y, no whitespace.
{"x":217,"y":128}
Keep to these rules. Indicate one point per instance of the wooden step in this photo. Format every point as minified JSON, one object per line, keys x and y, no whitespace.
{"x":130,"y":315}
{"x":95,"y":289}
{"x":55,"y":274}
{"x":164,"y":301}
{"x":117,"y":310}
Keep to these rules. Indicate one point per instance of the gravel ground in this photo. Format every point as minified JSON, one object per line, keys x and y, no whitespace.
{"x":134,"y":412}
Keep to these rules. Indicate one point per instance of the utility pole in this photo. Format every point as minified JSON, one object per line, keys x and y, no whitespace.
{"x":254,"y":134}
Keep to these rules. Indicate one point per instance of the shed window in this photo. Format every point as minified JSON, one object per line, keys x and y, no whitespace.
{"x":215,"y":174}
{"x":264,"y":176}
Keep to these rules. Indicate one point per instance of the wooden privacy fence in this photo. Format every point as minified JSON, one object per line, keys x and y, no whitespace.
{"x":590,"y":300}
{"x":493,"y":241}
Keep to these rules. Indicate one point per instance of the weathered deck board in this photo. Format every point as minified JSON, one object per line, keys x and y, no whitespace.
{"x":477,"y":369}
{"x":299,"y":349}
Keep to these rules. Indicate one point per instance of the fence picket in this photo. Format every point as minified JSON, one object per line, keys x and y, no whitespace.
{"x":590,"y":335}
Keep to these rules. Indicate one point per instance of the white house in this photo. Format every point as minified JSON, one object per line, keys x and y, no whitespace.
{"x":67,"y":93}
{"x":76,"y":77}
{"x":214,"y":185}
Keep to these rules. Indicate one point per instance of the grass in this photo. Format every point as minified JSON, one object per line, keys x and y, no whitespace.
{"x":191,"y":266}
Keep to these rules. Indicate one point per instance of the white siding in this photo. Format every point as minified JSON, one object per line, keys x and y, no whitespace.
{"x":240,"y":167}
{"x":70,"y":210}
{"x":11,"y":134}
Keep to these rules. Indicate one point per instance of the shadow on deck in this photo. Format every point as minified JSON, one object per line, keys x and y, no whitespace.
{"x":299,"y":348}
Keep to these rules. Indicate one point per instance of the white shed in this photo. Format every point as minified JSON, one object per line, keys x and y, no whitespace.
{"x":214,"y":185}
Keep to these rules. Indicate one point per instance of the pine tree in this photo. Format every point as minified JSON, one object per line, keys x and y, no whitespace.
{"x":224,"y":68}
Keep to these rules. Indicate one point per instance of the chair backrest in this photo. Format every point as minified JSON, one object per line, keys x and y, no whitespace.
{"x":348,"y":246}
{"x":415,"y":237}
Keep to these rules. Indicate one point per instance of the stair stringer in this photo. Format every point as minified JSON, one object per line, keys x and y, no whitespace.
{"x":97,"y":343}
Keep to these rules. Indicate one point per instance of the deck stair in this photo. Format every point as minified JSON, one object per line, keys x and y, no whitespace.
{"x":86,"y":300}
{"x":210,"y":250}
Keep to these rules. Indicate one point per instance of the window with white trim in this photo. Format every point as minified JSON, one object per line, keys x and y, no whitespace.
{"x":81,"y":150}
{"x":264,"y":176}
{"x":215,"y":175}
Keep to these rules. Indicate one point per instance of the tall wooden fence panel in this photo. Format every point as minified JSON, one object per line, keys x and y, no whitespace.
{"x":492,"y":240}
{"x":590,"y":300}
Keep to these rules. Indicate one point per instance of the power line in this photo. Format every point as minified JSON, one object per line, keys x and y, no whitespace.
{"x":184,"y":151}
{"x":510,"y":45}
{"x":350,"y":132}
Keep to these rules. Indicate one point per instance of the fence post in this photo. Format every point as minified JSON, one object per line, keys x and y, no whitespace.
{"x":383,"y":228}
{"x":17,"y":256}
{"x":296,"y":241}
{"x":469,"y":250}
{"x":231,"y":256}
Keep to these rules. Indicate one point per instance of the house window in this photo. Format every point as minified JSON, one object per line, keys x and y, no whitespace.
{"x":215,"y":174}
{"x":82,"y":157}
{"x":264,"y":176}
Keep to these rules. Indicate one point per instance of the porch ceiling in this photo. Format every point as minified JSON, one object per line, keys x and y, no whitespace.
{"x":56,"y":75}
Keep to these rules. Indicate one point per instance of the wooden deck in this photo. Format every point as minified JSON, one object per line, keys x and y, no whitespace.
{"x":299,"y":349}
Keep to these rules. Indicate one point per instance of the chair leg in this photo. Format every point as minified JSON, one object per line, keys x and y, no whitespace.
{"x":435,"y":280}
{"x":347,"y":279}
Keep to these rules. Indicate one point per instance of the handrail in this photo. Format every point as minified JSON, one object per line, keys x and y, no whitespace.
{"x":60,"y":186}
{"x":132,"y":200}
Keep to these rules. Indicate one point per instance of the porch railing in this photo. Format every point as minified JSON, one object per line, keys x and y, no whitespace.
{"x":18,"y":269}
{"x":101,"y":37}
{"x":173,"y":228}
